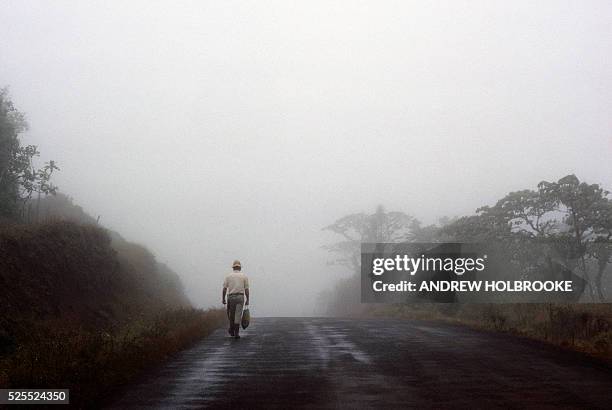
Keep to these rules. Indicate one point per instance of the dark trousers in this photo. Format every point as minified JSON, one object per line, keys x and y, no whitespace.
{"x":235,"y":303}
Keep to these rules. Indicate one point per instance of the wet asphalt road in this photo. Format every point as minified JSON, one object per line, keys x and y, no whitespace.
{"x":337,"y":363}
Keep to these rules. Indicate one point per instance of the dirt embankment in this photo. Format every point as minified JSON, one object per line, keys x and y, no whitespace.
{"x":77,"y":273}
{"x":84,"y":309}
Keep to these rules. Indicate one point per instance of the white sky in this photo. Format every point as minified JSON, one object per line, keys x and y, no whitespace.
{"x":210,"y":131}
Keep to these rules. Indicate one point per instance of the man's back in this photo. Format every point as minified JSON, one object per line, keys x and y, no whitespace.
{"x":236,"y":282}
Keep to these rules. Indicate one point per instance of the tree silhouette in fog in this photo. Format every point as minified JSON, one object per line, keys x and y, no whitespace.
{"x":19,"y":179}
{"x":560,"y":230}
{"x":570,"y":221}
{"x":381,"y":226}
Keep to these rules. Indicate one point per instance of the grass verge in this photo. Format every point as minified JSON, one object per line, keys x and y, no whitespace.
{"x":582,"y":327}
{"x":93,"y":364}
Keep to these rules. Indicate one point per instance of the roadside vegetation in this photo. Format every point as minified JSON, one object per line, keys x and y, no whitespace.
{"x":81,"y":307}
{"x":560,"y":229}
{"x":582,"y":327}
{"x":95,"y":364}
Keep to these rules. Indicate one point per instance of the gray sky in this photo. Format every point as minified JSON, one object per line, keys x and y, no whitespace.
{"x":210,"y":131}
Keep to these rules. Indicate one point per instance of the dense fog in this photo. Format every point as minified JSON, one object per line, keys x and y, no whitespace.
{"x":214,"y":131}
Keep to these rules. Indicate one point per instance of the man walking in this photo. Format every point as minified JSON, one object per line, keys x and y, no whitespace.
{"x":236,"y":287}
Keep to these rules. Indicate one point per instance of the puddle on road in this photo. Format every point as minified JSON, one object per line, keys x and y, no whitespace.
{"x":332,"y":343}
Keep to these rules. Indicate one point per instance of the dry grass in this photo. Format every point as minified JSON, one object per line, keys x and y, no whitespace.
{"x":92,"y":364}
{"x":582,"y":327}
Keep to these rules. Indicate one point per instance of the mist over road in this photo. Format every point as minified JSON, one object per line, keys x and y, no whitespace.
{"x":342,"y":363}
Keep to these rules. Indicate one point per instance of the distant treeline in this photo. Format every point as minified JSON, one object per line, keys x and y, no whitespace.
{"x":558,"y":227}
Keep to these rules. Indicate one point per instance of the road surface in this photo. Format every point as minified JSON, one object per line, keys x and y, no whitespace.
{"x":336,"y":363}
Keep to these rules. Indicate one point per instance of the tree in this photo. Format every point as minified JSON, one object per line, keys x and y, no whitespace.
{"x":571,"y":221}
{"x":19,"y":179}
{"x":601,"y":247}
{"x":585,"y":210}
{"x":525,"y":211}
{"x":381,"y":226}
{"x":12,"y":123}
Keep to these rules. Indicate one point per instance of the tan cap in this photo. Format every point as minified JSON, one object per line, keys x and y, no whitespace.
{"x":236,"y":264}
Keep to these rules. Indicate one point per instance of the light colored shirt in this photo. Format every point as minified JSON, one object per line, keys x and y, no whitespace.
{"x":236,"y":282}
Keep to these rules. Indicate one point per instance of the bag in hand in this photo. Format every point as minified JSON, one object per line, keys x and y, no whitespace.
{"x":246,"y":318}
